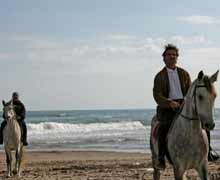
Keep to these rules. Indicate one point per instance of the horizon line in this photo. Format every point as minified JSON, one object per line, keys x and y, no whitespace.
{"x":96,"y":109}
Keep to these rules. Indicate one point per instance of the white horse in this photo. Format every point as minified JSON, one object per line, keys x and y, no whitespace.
{"x":12,"y":139}
{"x":187,"y":141}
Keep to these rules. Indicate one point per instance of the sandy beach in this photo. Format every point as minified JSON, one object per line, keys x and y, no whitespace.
{"x":93,"y":165}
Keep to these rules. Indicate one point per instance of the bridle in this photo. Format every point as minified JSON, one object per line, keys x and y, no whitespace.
{"x":10,"y":117}
{"x":194,"y":98}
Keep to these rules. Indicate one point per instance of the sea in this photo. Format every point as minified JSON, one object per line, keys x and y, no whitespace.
{"x":126,"y":130}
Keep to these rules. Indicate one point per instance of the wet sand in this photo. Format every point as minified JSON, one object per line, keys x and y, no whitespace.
{"x":93,"y":165}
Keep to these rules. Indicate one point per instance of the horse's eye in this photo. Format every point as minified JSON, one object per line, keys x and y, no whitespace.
{"x":200,"y":97}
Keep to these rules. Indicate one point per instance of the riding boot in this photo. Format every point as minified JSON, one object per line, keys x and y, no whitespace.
{"x":161,"y":157}
{"x":212,"y":155}
{"x":1,"y":131}
{"x":24,"y":134}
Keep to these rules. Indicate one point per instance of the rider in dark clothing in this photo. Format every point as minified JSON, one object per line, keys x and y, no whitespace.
{"x":20,"y":113}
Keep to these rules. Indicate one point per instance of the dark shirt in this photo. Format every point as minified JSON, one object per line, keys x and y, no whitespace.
{"x":19,"y":110}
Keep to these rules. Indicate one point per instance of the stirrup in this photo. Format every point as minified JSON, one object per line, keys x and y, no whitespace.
{"x":213,"y":156}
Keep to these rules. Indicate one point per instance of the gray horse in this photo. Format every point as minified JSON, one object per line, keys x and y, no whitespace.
{"x":12,"y":139}
{"x":187,"y":141}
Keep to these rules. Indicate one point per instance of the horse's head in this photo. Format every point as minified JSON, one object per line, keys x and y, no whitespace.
{"x":204,"y":94}
{"x":8,"y":110}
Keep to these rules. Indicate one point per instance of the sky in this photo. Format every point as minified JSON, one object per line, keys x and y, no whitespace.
{"x":101,"y":54}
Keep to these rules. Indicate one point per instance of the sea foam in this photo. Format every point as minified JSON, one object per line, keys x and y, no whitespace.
{"x":65,"y":132}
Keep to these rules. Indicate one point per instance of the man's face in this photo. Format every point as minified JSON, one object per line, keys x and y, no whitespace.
{"x":170,"y":58}
{"x":15,"y":97}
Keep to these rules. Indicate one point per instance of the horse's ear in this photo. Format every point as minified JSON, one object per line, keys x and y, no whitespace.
{"x":3,"y":102}
{"x":200,"y":75}
{"x":214,"y":77}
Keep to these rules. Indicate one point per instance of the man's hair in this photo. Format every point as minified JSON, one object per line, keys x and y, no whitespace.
{"x":15,"y":94}
{"x":170,"y":47}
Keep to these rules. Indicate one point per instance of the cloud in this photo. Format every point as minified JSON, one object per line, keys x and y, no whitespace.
{"x":114,"y":66}
{"x":190,"y":40}
{"x":198,"y":19}
{"x":5,"y":56}
{"x":94,"y":54}
{"x":99,"y":55}
{"x":40,"y":49}
{"x":120,"y":37}
{"x":208,"y":54}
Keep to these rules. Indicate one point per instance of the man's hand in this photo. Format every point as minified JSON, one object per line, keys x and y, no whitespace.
{"x":174,"y":104}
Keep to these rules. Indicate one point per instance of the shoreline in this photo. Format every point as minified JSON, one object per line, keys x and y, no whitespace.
{"x":146,"y":151}
{"x":93,"y":165}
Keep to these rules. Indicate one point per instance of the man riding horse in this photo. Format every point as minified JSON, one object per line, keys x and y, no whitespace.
{"x":20,"y":114}
{"x":170,"y":87}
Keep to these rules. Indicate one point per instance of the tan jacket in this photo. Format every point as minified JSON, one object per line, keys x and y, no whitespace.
{"x":161,"y":86}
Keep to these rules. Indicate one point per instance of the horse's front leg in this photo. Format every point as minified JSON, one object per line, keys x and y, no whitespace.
{"x":156,"y":174}
{"x":179,"y":173}
{"x":203,"y":171}
{"x":9,"y":163}
{"x":17,"y":163}
{"x":20,"y":160}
